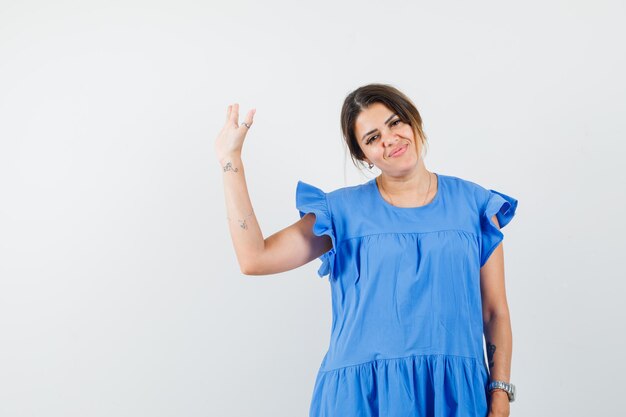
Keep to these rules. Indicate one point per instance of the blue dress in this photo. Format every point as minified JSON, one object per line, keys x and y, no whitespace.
{"x":407,"y":329}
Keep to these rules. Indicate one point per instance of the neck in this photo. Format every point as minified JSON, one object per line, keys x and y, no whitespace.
{"x":412,"y":190}
{"x":416,"y":181}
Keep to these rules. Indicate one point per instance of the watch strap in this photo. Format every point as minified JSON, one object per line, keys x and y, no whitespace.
{"x":507,"y":387}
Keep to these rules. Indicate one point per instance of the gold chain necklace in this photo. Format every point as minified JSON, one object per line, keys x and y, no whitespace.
{"x":425,"y":197}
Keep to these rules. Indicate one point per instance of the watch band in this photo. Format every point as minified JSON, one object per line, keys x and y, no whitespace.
{"x":507,"y":387}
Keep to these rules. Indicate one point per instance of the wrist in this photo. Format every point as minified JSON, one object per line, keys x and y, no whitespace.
{"x":499,"y":404}
{"x":224,"y":159}
{"x":501,"y":388}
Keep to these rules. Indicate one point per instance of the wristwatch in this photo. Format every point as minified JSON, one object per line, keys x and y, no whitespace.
{"x":507,"y":387}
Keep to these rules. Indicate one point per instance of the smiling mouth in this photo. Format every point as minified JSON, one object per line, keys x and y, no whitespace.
{"x":400,"y":149}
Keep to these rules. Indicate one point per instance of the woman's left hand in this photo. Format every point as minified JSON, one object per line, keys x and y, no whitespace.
{"x":499,"y":405}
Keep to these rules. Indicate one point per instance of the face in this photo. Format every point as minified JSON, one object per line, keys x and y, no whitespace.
{"x":380,"y":133}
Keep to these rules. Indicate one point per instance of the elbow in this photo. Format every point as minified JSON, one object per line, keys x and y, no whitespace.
{"x":494,"y":314}
{"x":251,"y":263}
{"x":249,"y":269}
{"x":246,"y":270}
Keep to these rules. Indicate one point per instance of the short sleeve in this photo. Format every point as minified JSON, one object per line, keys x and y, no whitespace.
{"x":310,"y":199}
{"x":503,"y":206}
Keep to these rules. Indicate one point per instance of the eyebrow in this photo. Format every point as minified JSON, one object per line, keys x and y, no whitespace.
{"x":374,"y":130}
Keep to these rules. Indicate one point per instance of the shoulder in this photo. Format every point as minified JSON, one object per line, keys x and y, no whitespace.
{"x":467,"y":189}
{"x":347,"y":195}
{"x":333,"y":198}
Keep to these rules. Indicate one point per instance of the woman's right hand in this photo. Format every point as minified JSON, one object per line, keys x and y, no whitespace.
{"x":229,"y":141}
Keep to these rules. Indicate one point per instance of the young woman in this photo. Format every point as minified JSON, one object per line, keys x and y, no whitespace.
{"x":415,"y":263}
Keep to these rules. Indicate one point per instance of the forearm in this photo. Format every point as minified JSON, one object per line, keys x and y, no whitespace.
{"x":498,"y":336}
{"x":499,"y":342}
{"x":244,"y":229}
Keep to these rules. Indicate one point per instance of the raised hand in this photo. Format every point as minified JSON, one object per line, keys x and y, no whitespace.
{"x":230,"y":139}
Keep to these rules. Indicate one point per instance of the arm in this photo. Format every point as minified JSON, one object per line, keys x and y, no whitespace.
{"x":244,"y":229}
{"x":287,"y":249}
{"x":497,"y":326}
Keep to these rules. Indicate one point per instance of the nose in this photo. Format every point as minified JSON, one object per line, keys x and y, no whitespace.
{"x":390,"y":139}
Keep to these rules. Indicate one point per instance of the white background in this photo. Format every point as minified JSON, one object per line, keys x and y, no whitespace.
{"x":120,"y":293}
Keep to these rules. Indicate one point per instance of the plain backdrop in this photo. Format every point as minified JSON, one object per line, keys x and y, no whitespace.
{"x":120,"y":292}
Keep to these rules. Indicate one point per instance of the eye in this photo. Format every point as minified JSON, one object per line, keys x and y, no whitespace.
{"x":391,"y":124}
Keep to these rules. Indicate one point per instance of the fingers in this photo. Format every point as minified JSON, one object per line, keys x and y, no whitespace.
{"x":249,"y":117}
{"x":232,"y":115}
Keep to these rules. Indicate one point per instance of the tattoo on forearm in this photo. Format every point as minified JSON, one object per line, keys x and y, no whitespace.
{"x":491,"y":348}
{"x":229,"y":167}
{"x":242,"y":222}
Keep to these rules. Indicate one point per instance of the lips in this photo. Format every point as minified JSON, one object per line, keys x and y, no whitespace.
{"x":399,"y":148}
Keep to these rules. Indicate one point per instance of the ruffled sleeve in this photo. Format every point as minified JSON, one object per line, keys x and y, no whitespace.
{"x":310,"y":199}
{"x":503,"y":206}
